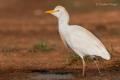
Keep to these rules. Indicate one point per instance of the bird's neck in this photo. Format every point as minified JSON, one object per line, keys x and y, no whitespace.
{"x":63,"y":21}
{"x":63,"y":25}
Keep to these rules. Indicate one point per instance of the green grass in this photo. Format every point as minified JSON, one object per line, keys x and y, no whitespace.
{"x":42,"y":46}
{"x":74,"y":56}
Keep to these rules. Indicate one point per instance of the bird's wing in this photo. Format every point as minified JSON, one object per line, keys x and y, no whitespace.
{"x":84,"y":41}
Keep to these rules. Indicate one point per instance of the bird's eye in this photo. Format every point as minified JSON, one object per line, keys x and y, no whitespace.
{"x":57,"y":10}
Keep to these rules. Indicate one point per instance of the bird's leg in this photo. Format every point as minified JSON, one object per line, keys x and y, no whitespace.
{"x":95,"y":61}
{"x":83,"y":61}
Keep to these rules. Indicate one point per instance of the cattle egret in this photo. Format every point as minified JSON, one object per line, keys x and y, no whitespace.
{"x":79,"y":39}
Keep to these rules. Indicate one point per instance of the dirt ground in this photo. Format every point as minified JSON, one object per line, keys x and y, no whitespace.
{"x":24,"y":34}
{"x":21,"y":60}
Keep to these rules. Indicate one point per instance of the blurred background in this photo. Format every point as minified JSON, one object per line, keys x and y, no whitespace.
{"x":29,"y":38}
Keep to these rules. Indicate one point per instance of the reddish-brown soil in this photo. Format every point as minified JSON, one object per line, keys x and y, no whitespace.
{"x":24,"y":32}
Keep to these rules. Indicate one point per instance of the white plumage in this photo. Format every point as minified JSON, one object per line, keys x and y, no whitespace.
{"x":84,"y":43}
{"x":79,"y":39}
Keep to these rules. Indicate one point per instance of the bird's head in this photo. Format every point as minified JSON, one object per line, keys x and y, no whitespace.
{"x":58,"y":11}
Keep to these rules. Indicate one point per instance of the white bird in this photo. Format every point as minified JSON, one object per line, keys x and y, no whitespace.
{"x":79,"y":39}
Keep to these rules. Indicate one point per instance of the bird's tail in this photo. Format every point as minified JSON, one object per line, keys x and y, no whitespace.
{"x":106,"y":55}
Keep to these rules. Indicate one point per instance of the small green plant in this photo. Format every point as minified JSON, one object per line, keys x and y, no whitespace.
{"x":42,"y":46}
{"x":74,"y":56}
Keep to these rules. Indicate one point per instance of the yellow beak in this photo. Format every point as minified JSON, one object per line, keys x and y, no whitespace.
{"x":50,"y":11}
